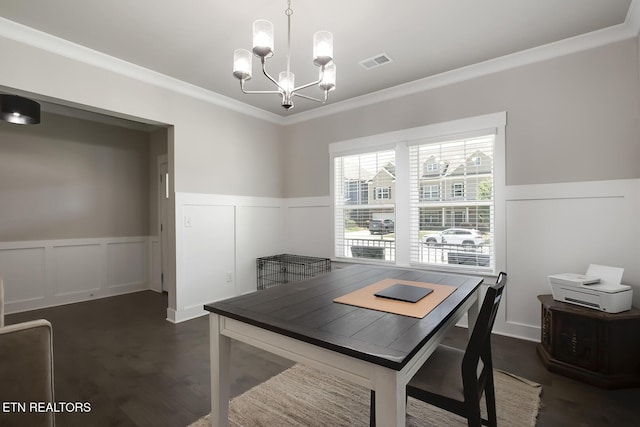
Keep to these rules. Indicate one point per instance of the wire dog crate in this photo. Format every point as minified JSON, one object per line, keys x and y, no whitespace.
{"x":279,"y":269}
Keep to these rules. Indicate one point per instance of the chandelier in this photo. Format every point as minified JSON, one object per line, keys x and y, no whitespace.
{"x":263,"y":49}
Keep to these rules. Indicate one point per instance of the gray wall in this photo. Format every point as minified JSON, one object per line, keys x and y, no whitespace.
{"x":219,"y":151}
{"x":69,"y":178}
{"x":212,"y":149}
{"x":570,"y":119}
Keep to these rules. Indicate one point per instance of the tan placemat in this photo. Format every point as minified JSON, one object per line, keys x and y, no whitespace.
{"x":365,"y":298}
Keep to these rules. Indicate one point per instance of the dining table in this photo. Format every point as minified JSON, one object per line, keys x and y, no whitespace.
{"x":301,"y":321}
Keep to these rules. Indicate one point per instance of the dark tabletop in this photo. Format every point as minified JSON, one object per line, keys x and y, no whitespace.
{"x":305,"y":311}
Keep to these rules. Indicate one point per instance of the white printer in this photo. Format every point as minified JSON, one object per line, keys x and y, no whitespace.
{"x":599,"y":288}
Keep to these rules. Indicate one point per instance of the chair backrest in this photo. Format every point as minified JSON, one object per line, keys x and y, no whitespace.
{"x":479,"y":346}
{"x":26,"y":373}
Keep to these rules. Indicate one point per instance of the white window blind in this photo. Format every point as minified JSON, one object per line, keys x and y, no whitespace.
{"x":452,"y":205}
{"x":364,"y":191}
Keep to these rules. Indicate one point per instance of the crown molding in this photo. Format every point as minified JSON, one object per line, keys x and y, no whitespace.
{"x":32,"y":37}
{"x":633,"y":17}
{"x":41,"y":40}
{"x":629,"y":29}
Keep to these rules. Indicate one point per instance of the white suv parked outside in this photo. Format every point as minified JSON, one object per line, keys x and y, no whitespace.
{"x":456,"y":236}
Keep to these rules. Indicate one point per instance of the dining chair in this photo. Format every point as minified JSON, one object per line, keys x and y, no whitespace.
{"x":455,"y":380}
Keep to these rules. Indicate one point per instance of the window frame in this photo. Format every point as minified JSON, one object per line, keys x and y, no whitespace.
{"x":457,"y":190}
{"x":427,"y":192}
{"x":382,"y":193}
{"x":400,"y":141}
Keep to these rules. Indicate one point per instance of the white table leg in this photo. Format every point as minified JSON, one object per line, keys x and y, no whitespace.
{"x":472,"y":313}
{"x":390,"y":398}
{"x":220,"y":348}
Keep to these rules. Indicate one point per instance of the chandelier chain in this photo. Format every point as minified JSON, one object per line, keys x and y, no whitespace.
{"x":288,"y":12}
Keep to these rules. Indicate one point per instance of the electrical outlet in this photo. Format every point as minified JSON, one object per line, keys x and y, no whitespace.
{"x":229,"y":276}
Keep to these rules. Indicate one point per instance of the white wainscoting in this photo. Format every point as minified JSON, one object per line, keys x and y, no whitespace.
{"x":309,"y":226}
{"x":40,"y":274}
{"x":218,"y":238}
{"x":562,"y":228}
{"x":551,"y":228}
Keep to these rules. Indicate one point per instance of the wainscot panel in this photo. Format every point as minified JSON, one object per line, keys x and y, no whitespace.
{"x":26,"y":286}
{"x":218,"y":238}
{"x":46,"y":273}
{"x":562,"y":228}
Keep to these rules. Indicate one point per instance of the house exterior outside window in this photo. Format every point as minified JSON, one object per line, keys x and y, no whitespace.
{"x":383,"y":193}
{"x":430,"y":192}
{"x":395,"y":194}
{"x":355,"y":192}
{"x":467,"y":203}
{"x":457,"y":190}
{"x":364,"y":205}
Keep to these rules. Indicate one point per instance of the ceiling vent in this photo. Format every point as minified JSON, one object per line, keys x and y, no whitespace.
{"x":376,"y":61}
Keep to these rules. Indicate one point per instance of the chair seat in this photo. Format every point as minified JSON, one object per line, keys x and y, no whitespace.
{"x":442,"y":379}
{"x":441,"y":374}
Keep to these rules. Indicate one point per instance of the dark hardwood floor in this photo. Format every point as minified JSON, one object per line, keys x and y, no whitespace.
{"x":136,"y":369}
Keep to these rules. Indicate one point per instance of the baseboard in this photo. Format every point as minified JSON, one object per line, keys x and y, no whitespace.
{"x":179,"y":316}
{"x":79,"y":299}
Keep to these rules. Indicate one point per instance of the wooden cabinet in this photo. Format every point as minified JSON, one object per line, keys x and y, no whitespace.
{"x":599,"y":348}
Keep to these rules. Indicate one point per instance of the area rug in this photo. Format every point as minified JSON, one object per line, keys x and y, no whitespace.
{"x":305,"y":397}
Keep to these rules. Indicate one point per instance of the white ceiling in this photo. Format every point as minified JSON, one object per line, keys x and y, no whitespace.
{"x":194,"y":40}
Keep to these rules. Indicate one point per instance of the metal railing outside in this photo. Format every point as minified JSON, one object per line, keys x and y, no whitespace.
{"x":384,"y":249}
{"x":435,"y":253}
{"x":443,"y":253}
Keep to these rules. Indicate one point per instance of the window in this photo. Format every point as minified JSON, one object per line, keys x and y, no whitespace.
{"x":430,"y":196}
{"x":430,"y":192}
{"x":383,"y":192}
{"x":457,"y":190}
{"x":355,"y":191}
{"x":364,"y":209}
{"x":465,"y":234}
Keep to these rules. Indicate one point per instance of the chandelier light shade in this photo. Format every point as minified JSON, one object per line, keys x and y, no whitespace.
{"x":242,"y":64}
{"x":322,"y":48}
{"x":263,"y":48}
{"x":328,"y":77}
{"x":19,"y":110}
{"x":286,"y":80}
{"x":263,"y":38}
